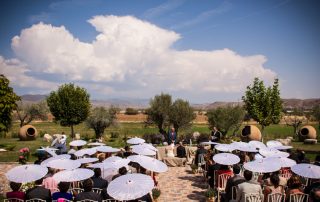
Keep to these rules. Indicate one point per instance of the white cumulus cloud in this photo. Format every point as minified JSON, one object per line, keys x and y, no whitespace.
{"x":132,"y":57}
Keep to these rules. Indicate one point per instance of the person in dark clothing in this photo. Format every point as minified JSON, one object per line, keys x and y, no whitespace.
{"x":15,"y":193}
{"x":98,"y":182}
{"x":88,"y":193}
{"x":233,"y":181}
{"x":38,"y":192}
{"x":200,"y":151}
{"x":63,"y":187}
{"x":181,"y":151}
{"x":122,"y":171}
{"x":215,"y":136}
{"x":172,"y":136}
{"x":127,"y":152}
{"x":212,"y":167}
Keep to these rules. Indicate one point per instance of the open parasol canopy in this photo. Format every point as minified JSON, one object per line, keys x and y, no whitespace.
{"x":135,"y":140}
{"x":257,"y":144}
{"x":142,"y":150}
{"x":243,"y":146}
{"x":96,"y":144}
{"x":130,"y":186}
{"x":26,"y":173}
{"x":272,"y":152}
{"x":73,"y":175}
{"x":307,"y":170}
{"x":262,"y":166}
{"x":283,"y":161}
{"x":61,"y":156}
{"x":224,"y":147}
{"x":87,"y":160}
{"x":107,"y":149}
{"x":273,"y":143}
{"x":226,"y":159}
{"x":77,"y":143}
{"x":63,"y":164}
{"x":149,"y":163}
{"x":86,"y":151}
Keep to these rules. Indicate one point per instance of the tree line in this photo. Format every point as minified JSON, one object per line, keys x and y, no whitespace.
{"x":70,"y":105}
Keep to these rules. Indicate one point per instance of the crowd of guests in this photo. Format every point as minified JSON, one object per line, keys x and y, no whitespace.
{"x":94,"y":188}
{"x":241,"y":181}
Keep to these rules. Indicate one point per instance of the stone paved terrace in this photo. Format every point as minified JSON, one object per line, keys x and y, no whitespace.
{"x":179,"y":184}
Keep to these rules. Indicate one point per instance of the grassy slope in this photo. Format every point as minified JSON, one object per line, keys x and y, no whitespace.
{"x":131,"y":130}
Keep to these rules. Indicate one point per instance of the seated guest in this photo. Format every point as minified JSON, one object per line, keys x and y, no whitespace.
{"x":122,"y":171}
{"x":38,"y":191}
{"x":315,"y":194}
{"x":314,"y":184}
{"x":248,"y":187}
{"x":127,"y":152}
{"x":181,"y":151}
{"x":282,"y":180}
{"x":233,"y":181}
{"x":294,"y":186}
{"x":275,"y":186}
{"x":88,"y":193}
{"x":211,"y":168}
{"x":224,"y":169}
{"x":200,"y":151}
{"x":63,"y":193}
{"x":170,"y":150}
{"x":49,"y":182}
{"x":15,"y":193}
{"x":98,"y":182}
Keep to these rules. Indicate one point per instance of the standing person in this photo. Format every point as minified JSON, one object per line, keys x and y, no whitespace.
{"x":172,"y":136}
{"x":215,"y":136}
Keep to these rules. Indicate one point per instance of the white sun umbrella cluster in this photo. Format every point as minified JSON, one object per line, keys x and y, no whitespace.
{"x":77,"y":143}
{"x":307,"y":170}
{"x":106,"y":149}
{"x":130,"y":186}
{"x":226,"y":159}
{"x":26,"y":173}
{"x":268,"y":152}
{"x":64,"y":164}
{"x":224,"y":147}
{"x":73,"y":175}
{"x":143,"y":150}
{"x":135,"y":140}
{"x":86,"y":151}
{"x":262,"y":166}
{"x":282,"y":161}
{"x":61,"y":156}
{"x":257,"y":144}
{"x":111,"y":162}
{"x":149,"y":163}
{"x":243,"y":146}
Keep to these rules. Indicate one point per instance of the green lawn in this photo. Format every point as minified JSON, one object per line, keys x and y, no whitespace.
{"x":11,"y":142}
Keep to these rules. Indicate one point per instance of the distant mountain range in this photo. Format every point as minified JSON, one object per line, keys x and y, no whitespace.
{"x":144,"y":103}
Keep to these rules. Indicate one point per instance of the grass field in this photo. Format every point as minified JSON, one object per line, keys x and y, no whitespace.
{"x":11,"y":141}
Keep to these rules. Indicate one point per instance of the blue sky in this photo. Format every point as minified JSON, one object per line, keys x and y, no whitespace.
{"x":202,"y":51}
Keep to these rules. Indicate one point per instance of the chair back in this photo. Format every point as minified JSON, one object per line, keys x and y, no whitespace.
{"x":110,"y":200}
{"x":35,"y":200}
{"x":61,"y":200}
{"x":253,"y":198}
{"x":97,"y":190}
{"x":234,"y":193}
{"x":13,"y":200}
{"x":75,"y":190}
{"x":222,"y":181}
{"x":87,"y":200}
{"x":286,"y":174}
{"x":276,"y":197}
{"x":299,"y":197}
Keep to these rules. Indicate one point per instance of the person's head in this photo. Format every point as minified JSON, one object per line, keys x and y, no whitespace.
{"x":247,"y":175}
{"x":315,"y":194}
{"x":172,"y":129}
{"x":236,"y":169}
{"x":274,"y":179}
{"x":181,"y":143}
{"x":51,"y":171}
{"x":224,"y":167}
{"x":127,"y":148}
{"x":39,"y":181}
{"x":87,"y":185}
{"x":64,"y":186}
{"x":294,"y":182}
{"x":97,"y":172}
{"x":215,"y":128}
{"x":15,"y":186}
{"x":122,"y":170}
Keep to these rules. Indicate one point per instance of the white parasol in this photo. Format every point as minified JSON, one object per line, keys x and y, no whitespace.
{"x":226,"y":159}
{"x":87,"y":160}
{"x":112,"y":159}
{"x":274,"y":143}
{"x":96,"y":144}
{"x":283,"y":161}
{"x":64,"y":164}
{"x":149,"y":163}
{"x":49,"y":150}
{"x":262,"y":166}
{"x":111,"y":164}
{"x":243,"y":146}
{"x":148,"y":146}
{"x":283,"y":147}
{"x":61,"y":156}
{"x":73,"y":175}
{"x":26,"y":173}
{"x":307,"y":170}
{"x":257,"y":144}
{"x":135,"y":140}
{"x":72,"y":151}
{"x":272,"y":152}
{"x":77,"y":143}
{"x":142,"y":150}
{"x":130,"y":186}
{"x":224,"y":147}
{"x":209,"y":143}
{"x":107,"y":149}
{"x":258,"y":156}
{"x":87,"y":151}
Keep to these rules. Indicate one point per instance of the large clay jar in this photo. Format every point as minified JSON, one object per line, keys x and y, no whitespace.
{"x":28,"y":132}
{"x":250,"y":132}
{"x":307,"y":132}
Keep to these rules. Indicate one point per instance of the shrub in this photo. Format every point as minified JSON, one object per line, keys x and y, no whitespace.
{"x":185,"y":138}
{"x":156,"y":193}
{"x":115,"y":135}
{"x":41,"y":133}
{"x":131,"y":111}
{"x":153,"y":138}
{"x":204,"y":137}
{"x":210,"y":193}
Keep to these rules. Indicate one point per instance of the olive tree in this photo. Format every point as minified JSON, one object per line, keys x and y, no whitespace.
{"x":101,"y":118}
{"x":263,"y":104}
{"x":28,"y":112}
{"x":8,"y":100}
{"x":295,"y":119}
{"x":226,"y":118}
{"x":181,"y":114}
{"x":316,"y":113}
{"x":70,"y":105}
